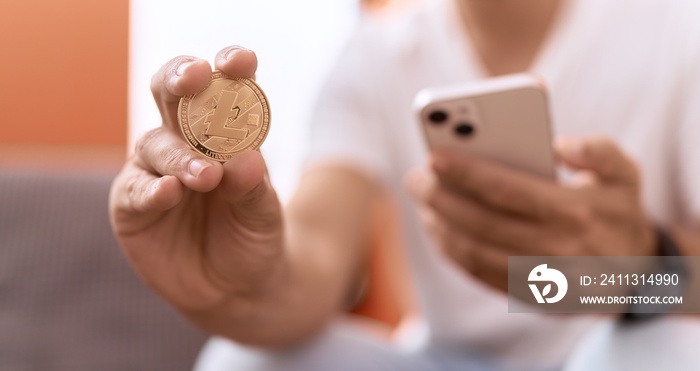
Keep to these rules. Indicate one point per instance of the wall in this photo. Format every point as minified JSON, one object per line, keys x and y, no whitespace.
{"x":63,"y":68}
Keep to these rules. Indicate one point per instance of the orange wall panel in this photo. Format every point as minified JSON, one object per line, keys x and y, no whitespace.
{"x":63,"y":71}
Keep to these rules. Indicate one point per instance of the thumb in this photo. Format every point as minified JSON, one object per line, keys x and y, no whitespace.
{"x":247,"y":188}
{"x":599,"y":155}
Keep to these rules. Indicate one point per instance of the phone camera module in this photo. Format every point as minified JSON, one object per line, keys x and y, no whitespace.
{"x":437,"y":117}
{"x":464,"y":129}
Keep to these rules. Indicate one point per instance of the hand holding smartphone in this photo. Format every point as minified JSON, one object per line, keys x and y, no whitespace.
{"x":503,"y":119}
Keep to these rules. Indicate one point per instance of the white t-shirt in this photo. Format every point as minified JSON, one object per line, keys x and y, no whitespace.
{"x":629,"y":69}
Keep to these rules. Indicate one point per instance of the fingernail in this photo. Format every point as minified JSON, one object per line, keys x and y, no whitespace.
{"x":181,"y":68}
{"x":197,"y":166}
{"x":235,"y":50}
{"x":417,"y":182}
{"x":574,"y":148}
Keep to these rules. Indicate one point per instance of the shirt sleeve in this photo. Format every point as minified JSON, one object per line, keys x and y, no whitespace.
{"x":346,"y":126}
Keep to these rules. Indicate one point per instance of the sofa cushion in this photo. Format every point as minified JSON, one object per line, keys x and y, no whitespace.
{"x":68,"y":298}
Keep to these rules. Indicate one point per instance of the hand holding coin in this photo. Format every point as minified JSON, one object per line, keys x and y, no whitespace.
{"x":229,"y":116}
{"x":194,"y":227}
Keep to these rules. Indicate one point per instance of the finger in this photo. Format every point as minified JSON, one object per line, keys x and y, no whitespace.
{"x":481,"y":260}
{"x":137,"y":192}
{"x":599,"y":155}
{"x":431,"y":221}
{"x":498,"y":186}
{"x":246,"y":186}
{"x":480,"y":222}
{"x":155,"y":194}
{"x":490,"y":265}
{"x":236,"y":61}
{"x":181,"y":76}
{"x":163,"y":152}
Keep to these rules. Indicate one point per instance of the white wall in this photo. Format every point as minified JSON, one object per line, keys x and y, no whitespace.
{"x":295,"y":41}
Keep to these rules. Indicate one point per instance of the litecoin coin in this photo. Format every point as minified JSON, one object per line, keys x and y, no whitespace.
{"x":229,"y":116}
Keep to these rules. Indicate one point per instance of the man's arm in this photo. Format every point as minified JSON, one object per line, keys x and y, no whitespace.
{"x":213,"y":240}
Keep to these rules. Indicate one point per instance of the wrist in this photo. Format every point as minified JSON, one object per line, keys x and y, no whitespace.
{"x":670,"y":263}
{"x":665,"y":243}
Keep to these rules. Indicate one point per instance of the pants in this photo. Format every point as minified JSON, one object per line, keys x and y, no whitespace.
{"x":341,"y":347}
{"x":666,"y":343}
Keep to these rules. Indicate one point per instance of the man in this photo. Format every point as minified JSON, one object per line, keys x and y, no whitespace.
{"x":215,"y":242}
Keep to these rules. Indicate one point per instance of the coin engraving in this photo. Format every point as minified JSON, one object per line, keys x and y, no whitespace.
{"x":229,"y":116}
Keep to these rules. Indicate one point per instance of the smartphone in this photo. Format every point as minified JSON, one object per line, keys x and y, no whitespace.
{"x":504,"y":119}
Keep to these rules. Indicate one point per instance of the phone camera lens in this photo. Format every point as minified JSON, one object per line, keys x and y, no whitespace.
{"x":464,"y":129}
{"x":438,"y":117}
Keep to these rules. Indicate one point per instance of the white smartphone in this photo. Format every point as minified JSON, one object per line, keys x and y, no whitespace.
{"x":503,"y":119}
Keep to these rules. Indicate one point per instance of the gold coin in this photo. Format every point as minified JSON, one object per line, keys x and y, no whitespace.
{"x":229,"y":116}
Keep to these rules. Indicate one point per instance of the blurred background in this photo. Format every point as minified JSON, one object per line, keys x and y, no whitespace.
{"x":63,"y":79}
{"x":74,"y":74}
{"x":75,"y":94}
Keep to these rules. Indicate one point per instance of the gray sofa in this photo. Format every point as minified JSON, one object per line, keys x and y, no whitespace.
{"x":68,"y":299}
